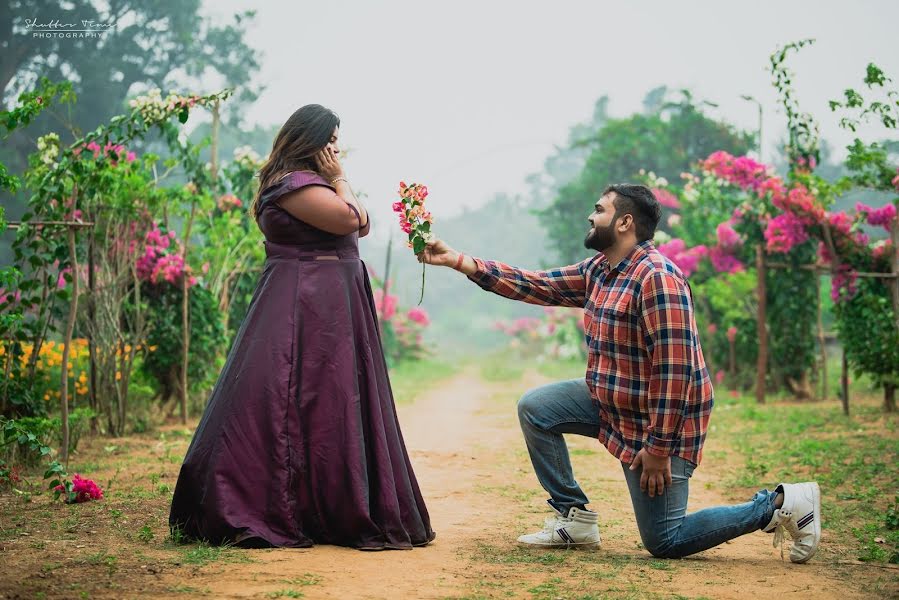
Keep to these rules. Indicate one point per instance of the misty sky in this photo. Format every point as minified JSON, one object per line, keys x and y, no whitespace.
{"x":470,"y":96}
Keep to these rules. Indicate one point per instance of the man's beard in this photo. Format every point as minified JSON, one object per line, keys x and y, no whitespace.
{"x":600,"y":238}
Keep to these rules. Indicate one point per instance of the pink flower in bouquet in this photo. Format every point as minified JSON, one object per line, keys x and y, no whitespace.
{"x":895,"y":180}
{"x":418,"y":315}
{"x":415,"y":220}
{"x":731,"y":334}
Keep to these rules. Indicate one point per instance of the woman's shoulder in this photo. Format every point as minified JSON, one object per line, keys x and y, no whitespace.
{"x":291,"y":182}
{"x":295,"y":180}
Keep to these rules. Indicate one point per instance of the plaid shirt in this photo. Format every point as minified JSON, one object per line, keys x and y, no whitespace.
{"x":645,"y":367}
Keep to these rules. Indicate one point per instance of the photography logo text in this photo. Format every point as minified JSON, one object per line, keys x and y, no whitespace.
{"x":56,"y":28}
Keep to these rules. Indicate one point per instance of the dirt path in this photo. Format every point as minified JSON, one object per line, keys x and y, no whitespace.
{"x":468,"y":454}
{"x":470,"y":460}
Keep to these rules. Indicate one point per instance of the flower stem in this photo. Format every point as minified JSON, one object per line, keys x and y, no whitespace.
{"x":422,"y":284}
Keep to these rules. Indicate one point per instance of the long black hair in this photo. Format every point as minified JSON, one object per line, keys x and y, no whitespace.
{"x":305,"y":134}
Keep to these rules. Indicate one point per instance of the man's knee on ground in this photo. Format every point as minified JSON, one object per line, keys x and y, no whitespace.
{"x":661,"y":548}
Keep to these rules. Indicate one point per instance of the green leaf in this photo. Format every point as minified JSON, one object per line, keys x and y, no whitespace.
{"x":418,"y":245}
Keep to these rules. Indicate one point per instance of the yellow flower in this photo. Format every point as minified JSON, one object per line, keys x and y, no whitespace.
{"x":118,"y":375}
{"x":127,"y":347}
{"x":46,"y":396}
{"x":153,"y":348}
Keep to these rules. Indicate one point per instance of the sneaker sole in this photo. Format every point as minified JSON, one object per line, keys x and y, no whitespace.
{"x":817,"y":518}
{"x":572,"y":546}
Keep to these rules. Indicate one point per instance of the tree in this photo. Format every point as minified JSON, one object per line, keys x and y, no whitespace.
{"x":666,"y":142}
{"x":165,"y":44}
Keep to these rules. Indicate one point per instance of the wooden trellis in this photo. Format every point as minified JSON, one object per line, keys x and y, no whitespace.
{"x":819,"y":269}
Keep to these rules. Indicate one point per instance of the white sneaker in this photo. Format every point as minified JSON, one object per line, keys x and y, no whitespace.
{"x":578,"y":530}
{"x":800,"y":516}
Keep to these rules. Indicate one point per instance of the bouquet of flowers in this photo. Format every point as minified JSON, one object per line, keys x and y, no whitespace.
{"x":415,"y":221}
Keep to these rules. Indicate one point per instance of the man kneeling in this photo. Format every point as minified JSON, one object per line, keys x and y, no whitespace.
{"x":647,"y":395}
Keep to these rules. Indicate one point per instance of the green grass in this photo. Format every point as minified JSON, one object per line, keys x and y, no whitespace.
{"x":202,"y":554}
{"x":500,"y":367}
{"x":564,"y":369}
{"x":512,"y":555}
{"x":410,"y":379}
{"x":852,"y":458}
{"x":306,"y":579}
{"x":286,"y":594}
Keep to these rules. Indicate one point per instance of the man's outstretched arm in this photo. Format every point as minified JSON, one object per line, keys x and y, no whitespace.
{"x":563,"y":286}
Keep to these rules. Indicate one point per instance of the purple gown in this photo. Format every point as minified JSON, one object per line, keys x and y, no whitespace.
{"x":299,"y":442}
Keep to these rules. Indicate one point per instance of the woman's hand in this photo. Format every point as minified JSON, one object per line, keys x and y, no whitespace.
{"x":328,"y":164}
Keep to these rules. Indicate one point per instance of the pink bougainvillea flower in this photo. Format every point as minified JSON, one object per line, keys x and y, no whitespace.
{"x":687,"y":260}
{"x":666,"y":198}
{"x":878,"y":217}
{"x":784,"y":232}
{"x":724,"y":262}
{"x":418,"y":315}
{"x":727,"y":236}
{"x":83,"y":489}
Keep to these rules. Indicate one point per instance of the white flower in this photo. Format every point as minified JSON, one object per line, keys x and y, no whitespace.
{"x":246,"y":154}
{"x":661,"y":238}
{"x":48,"y":145}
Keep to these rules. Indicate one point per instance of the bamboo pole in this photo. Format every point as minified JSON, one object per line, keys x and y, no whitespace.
{"x":822,"y":342}
{"x":64,"y":367}
{"x":844,"y":384}
{"x":761,"y":326}
{"x":91,"y":347}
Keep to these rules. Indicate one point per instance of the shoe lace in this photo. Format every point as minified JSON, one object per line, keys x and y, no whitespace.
{"x":549,"y":524}
{"x":785,"y":525}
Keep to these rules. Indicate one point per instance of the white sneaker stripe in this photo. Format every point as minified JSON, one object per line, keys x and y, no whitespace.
{"x":564,"y":535}
{"x":805,"y":520}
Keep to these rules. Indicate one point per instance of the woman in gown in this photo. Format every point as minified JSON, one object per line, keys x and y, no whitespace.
{"x":300,"y":443}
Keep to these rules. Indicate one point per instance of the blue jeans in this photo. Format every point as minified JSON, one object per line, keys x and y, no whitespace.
{"x":665,"y":527}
